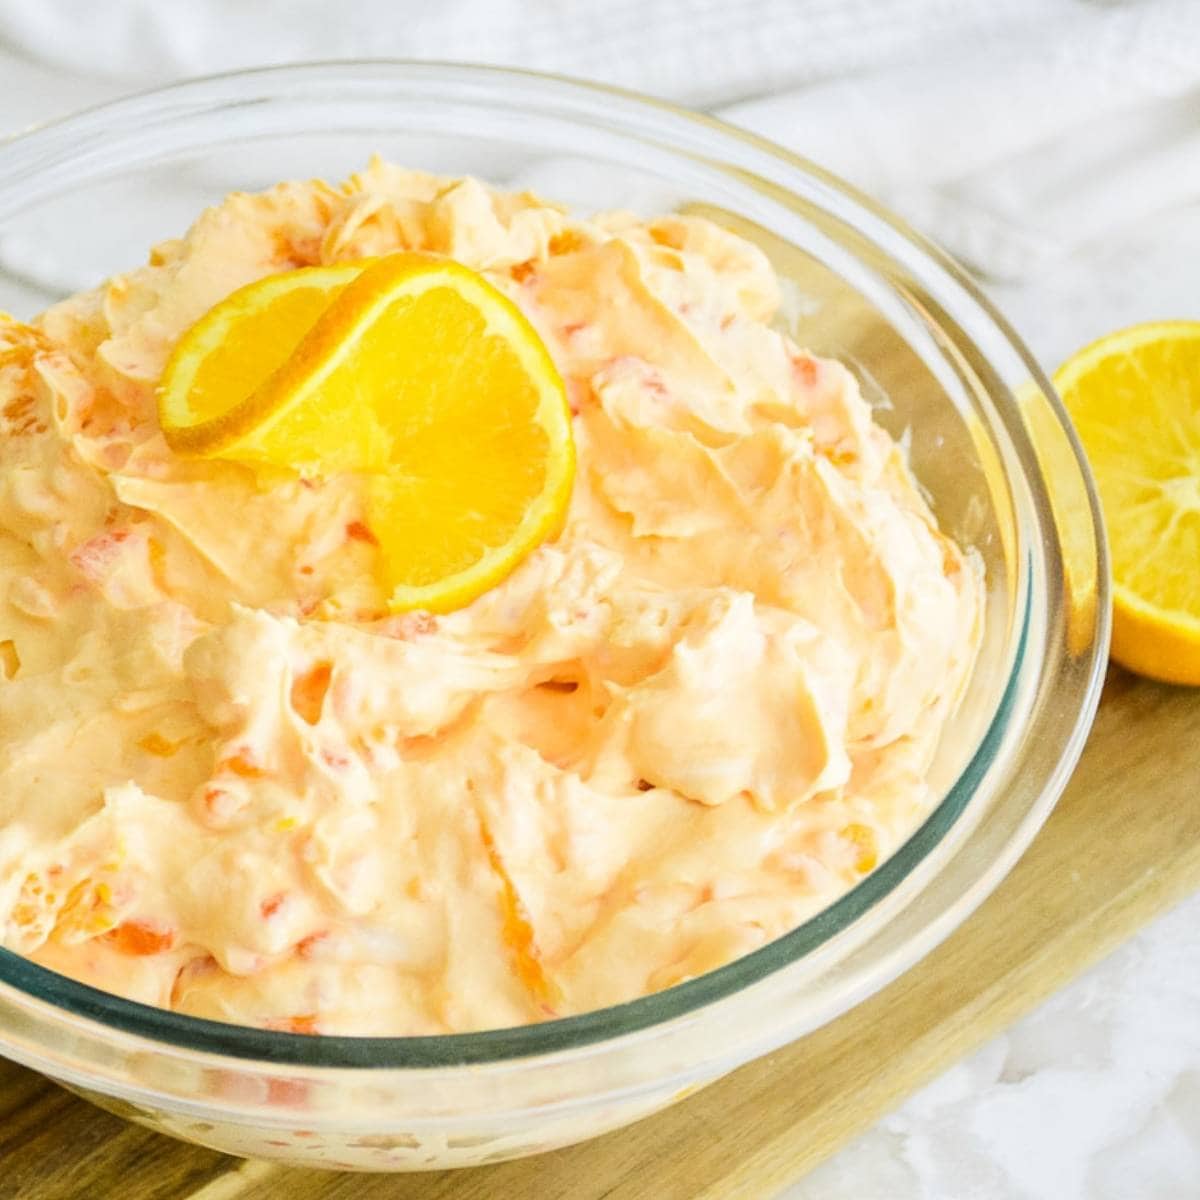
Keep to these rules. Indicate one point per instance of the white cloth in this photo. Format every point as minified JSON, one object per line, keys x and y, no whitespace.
{"x":1013,"y":131}
{"x":1055,"y":146}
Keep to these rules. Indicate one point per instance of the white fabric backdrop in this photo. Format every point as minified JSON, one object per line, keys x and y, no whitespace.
{"x":1054,"y":145}
{"x":997,"y":124}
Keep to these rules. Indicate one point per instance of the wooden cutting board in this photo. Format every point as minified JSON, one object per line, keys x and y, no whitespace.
{"x":1123,"y":844}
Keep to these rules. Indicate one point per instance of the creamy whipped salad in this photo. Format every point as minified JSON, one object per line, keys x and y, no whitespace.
{"x":232,"y":784}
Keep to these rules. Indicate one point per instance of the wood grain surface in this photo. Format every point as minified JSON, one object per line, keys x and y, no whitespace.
{"x":1123,"y":844}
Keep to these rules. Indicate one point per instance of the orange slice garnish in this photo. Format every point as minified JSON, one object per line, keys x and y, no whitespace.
{"x":415,"y":372}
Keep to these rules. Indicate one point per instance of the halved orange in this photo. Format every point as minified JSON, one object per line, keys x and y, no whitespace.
{"x":1134,"y":397}
{"x":412,"y":370}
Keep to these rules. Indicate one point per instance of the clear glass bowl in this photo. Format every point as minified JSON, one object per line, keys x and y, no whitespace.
{"x":87,"y":196}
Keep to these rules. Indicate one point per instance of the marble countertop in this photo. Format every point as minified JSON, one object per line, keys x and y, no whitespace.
{"x":1093,"y":1096}
{"x":1096,"y":1095}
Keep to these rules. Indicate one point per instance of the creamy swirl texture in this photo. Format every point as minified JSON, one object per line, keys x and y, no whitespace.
{"x":233,"y":785}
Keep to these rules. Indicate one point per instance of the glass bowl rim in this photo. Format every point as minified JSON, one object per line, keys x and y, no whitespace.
{"x":605,"y":1024}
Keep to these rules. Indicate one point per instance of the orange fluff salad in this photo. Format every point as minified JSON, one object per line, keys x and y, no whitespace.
{"x":237,"y":783}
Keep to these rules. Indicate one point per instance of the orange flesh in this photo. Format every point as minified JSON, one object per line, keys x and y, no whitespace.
{"x":257,"y":346}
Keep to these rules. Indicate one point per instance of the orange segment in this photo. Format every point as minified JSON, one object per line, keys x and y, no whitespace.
{"x":236,"y":346}
{"x":417,"y":373}
{"x":1134,"y":397}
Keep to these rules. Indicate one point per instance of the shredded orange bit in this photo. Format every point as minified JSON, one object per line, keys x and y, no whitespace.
{"x":304,"y":1023}
{"x":360,"y":531}
{"x":26,"y":911}
{"x":154,"y":743}
{"x":241,"y":766}
{"x":566,"y":242}
{"x":10,"y":660}
{"x":81,"y":893}
{"x":306,"y":947}
{"x":156,"y":553}
{"x":518,"y":931}
{"x":140,"y":938}
{"x":308,"y":692}
{"x":86,"y":910}
{"x":863,"y":837}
